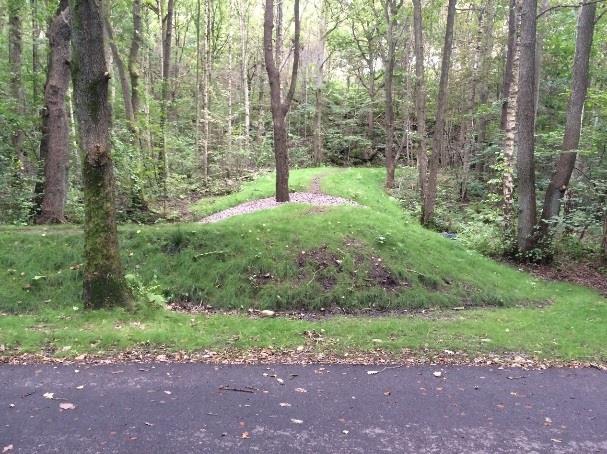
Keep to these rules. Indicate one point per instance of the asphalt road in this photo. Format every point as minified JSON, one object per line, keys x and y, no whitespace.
{"x":193,"y":408}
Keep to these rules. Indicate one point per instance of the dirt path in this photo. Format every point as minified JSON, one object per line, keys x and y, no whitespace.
{"x":314,"y":197}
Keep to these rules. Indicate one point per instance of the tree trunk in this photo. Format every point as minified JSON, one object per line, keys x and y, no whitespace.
{"x":133,"y":64}
{"x":15,"y":51}
{"x":604,"y":242}
{"x":280,"y":108}
{"x":526,"y":129}
{"x":244,"y":64}
{"x":54,"y":144}
{"x":35,"y":51}
{"x":125,"y":84}
{"x":104,"y":284}
{"x":485,"y":66}
{"x":438,"y":139}
{"x":390,"y":12}
{"x":508,"y":121}
{"x":420,"y":97}
{"x":317,"y":141}
{"x":207,"y":83}
{"x":167,"y":33}
{"x":575,"y":110}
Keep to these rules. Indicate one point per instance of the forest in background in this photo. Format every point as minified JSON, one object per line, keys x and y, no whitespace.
{"x":481,"y":97}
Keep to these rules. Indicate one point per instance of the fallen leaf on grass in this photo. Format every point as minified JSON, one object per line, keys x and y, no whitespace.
{"x":67,"y":406}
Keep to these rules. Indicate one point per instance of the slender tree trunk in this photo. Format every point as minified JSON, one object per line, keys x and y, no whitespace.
{"x":508,"y":121}
{"x":390,"y":12}
{"x":420,"y":97}
{"x":35,"y":52}
{"x":198,"y":82}
{"x":485,"y":66}
{"x":280,"y":109}
{"x":207,"y":83}
{"x":15,"y":52}
{"x":575,"y":109}
{"x":134,"y":65}
{"x":243,"y":18}
{"x":229,"y":153}
{"x":526,"y":129}
{"x":317,"y":140}
{"x":167,"y":33}
{"x":438,"y":139}
{"x":54,"y":145}
{"x":123,"y":76}
{"x":104,"y":284}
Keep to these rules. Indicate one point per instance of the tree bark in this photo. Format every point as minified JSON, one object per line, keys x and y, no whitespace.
{"x":15,"y":53}
{"x":280,"y":108}
{"x":125,"y":84}
{"x":207,"y":83}
{"x":54,"y":144}
{"x":508,"y":120}
{"x":438,"y":139}
{"x":575,"y":110}
{"x":510,"y":53}
{"x":526,"y":129}
{"x":420,"y":97}
{"x":35,"y":51}
{"x":390,"y":12}
{"x":133,"y":63}
{"x":243,"y":19}
{"x":104,"y":283}
{"x":167,"y":33}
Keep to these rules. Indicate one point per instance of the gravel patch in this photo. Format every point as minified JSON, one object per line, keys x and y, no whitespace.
{"x":310,"y":198}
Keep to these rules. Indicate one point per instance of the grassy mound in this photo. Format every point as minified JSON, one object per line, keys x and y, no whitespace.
{"x":292,"y":257}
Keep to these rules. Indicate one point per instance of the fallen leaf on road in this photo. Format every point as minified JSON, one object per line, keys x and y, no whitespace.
{"x":148,"y":424}
{"x":80,"y":387}
{"x":7,"y":448}
{"x":372,"y":372}
{"x":437,"y":374}
{"x":300,"y":390}
{"x":345,"y":432}
{"x":285,"y":404}
{"x":168,"y":392}
{"x":67,"y":406}
{"x":48,"y":395}
{"x":296,"y":421}
{"x":245,"y":435}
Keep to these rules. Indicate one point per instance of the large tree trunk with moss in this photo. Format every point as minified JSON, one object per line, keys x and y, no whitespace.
{"x":54,"y":145}
{"x":104,"y":283}
{"x":280,"y":108}
{"x":575,"y":109}
{"x":438,"y":138}
{"x":526,"y":129}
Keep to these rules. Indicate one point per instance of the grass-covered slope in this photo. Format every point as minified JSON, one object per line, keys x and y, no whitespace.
{"x":292,"y":257}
